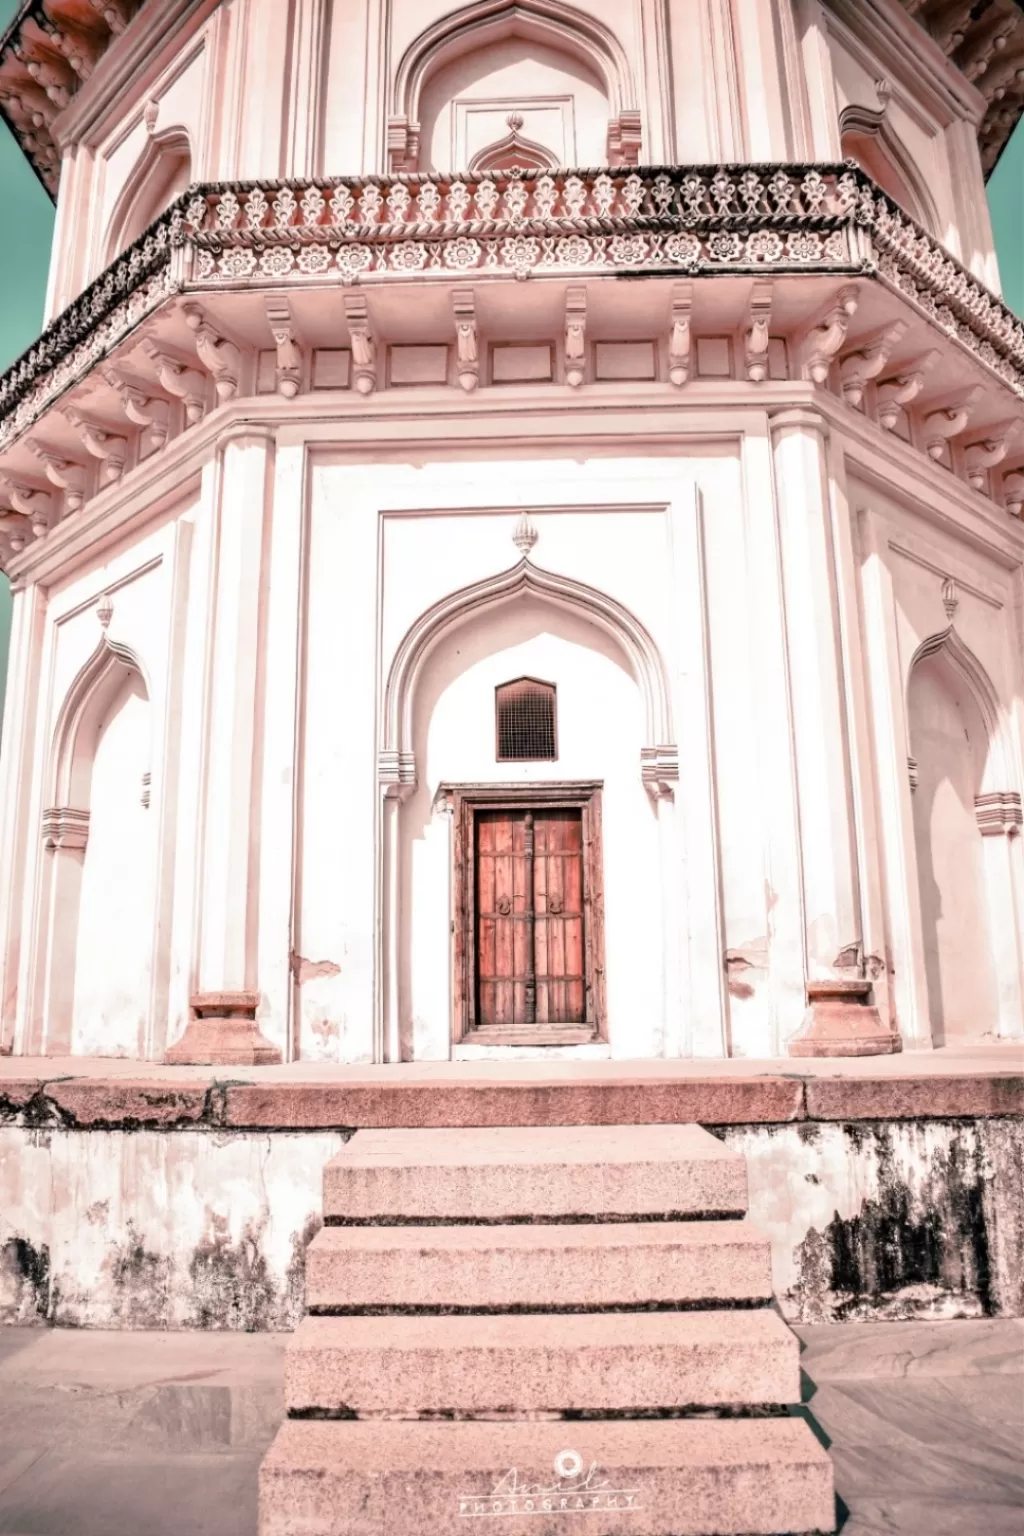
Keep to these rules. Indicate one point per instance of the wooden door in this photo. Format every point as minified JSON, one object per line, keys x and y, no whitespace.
{"x":530,"y":944}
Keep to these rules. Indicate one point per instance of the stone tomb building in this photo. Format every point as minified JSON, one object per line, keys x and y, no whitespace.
{"x":515,"y":530}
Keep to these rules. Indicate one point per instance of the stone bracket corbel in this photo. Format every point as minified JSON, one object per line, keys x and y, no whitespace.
{"x":219,"y":356}
{"x":575,"y":335}
{"x":822,"y":339}
{"x":364,"y":346}
{"x":34,"y":503}
{"x":289,"y":353}
{"x":755,"y":357}
{"x":467,"y":341}
{"x":108,"y":447}
{"x":989,"y":451}
{"x":1013,"y":492}
{"x":680,"y":339}
{"x":177,"y":378}
{"x":143,"y":409}
{"x":867,"y":362}
{"x":949,"y":421}
{"x":893,"y":395}
{"x":67,"y":475}
{"x":625,"y":137}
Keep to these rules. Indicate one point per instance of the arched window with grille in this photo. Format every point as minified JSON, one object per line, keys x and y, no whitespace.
{"x":526,"y":721}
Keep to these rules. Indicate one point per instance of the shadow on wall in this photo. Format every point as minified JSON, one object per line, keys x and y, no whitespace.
{"x":5,"y":639}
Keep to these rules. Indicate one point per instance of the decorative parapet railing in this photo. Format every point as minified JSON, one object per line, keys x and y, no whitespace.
{"x":761,"y":220}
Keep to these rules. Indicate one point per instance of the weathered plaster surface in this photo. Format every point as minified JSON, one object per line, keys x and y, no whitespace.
{"x":206,"y":1228}
{"x":149,"y":1230}
{"x":890,"y":1219}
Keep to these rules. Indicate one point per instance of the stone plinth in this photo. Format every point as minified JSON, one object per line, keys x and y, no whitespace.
{"x":223,"y":1033}
{"x":840,"y":1022}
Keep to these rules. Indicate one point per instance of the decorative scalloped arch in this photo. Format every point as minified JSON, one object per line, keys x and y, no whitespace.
{"x":548,"y":21}
{"x":562,"y":592}
{"x":999,"y":772}
{"x":92,"y":690}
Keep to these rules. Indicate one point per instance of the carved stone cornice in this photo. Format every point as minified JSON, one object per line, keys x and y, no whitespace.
{"x":114,"y":362}
{"x":48,"y":51}
{"x":986,"y":44}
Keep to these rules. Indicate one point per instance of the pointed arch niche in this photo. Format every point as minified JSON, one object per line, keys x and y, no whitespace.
{"x":97,"y":892}
{"x":866,"y":136}
{"x":967,"y":823}
{"x":161,"y":173}
{"x":560,"y":79}
{"x":437,"y":730}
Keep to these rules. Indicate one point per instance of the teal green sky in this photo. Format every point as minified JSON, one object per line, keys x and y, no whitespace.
{"x":28,"y":221}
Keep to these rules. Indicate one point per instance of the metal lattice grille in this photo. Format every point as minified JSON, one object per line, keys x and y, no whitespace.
{"x":526,"y":721}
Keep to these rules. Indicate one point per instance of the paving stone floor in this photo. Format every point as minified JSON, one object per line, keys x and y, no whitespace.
{"x":161,"y":1434}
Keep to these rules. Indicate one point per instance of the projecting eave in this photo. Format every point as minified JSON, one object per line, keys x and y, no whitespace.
{"x":319,"y":301}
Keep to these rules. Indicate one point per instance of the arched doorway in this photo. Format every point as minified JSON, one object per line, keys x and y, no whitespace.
{"x":950,"y":746}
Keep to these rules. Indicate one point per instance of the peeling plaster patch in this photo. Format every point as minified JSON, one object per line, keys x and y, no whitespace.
{"x":308,"y":970}
{"x":752,"y":956}
{"x":24,"y":1281}
{"x":848,"y":958}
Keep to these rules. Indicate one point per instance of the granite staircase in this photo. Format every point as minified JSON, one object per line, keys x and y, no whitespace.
{"x":552,"y":1329}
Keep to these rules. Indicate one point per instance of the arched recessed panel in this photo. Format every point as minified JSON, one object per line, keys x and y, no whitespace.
{"x":950,"y":746}
{"x":162,"y":173}
{"x":878,"y":152}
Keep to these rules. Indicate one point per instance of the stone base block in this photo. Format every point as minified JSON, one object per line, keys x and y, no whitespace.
{"x":711,"y":1477}
{"x":840,"y":1022}
{"x":534,"y":1173}
{"x":518,"y":1364}
{"x":583,"y":1265}
{"x":223,"y":1033}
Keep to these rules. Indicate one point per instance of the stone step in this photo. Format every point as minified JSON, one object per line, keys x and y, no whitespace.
{"x":675,"y":1477}
{"x":540,"y":1173}
{"x":608,"y":1362}
{"x":583,"y":1265}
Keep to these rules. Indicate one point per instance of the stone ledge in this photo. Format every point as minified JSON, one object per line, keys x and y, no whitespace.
{"x":389,"y":1097}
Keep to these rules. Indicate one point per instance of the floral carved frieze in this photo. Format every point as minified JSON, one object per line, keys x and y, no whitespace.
{"x":151,"y":344}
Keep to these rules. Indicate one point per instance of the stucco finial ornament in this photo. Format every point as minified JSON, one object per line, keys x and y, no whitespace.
{"x":150,"y":114}
{"x":525,"y":535}
{"x":105,"y":609}
{"x":950,"y":600}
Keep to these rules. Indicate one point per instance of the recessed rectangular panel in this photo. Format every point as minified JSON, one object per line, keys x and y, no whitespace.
{"x":777,"y":368}
{"x":418,"y":365}
{"x":520,"y":365}
{"x":713,"y":358}
{"x":331,"y":368}
{"x":266,"y":372}
{"x":625,"y":360}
